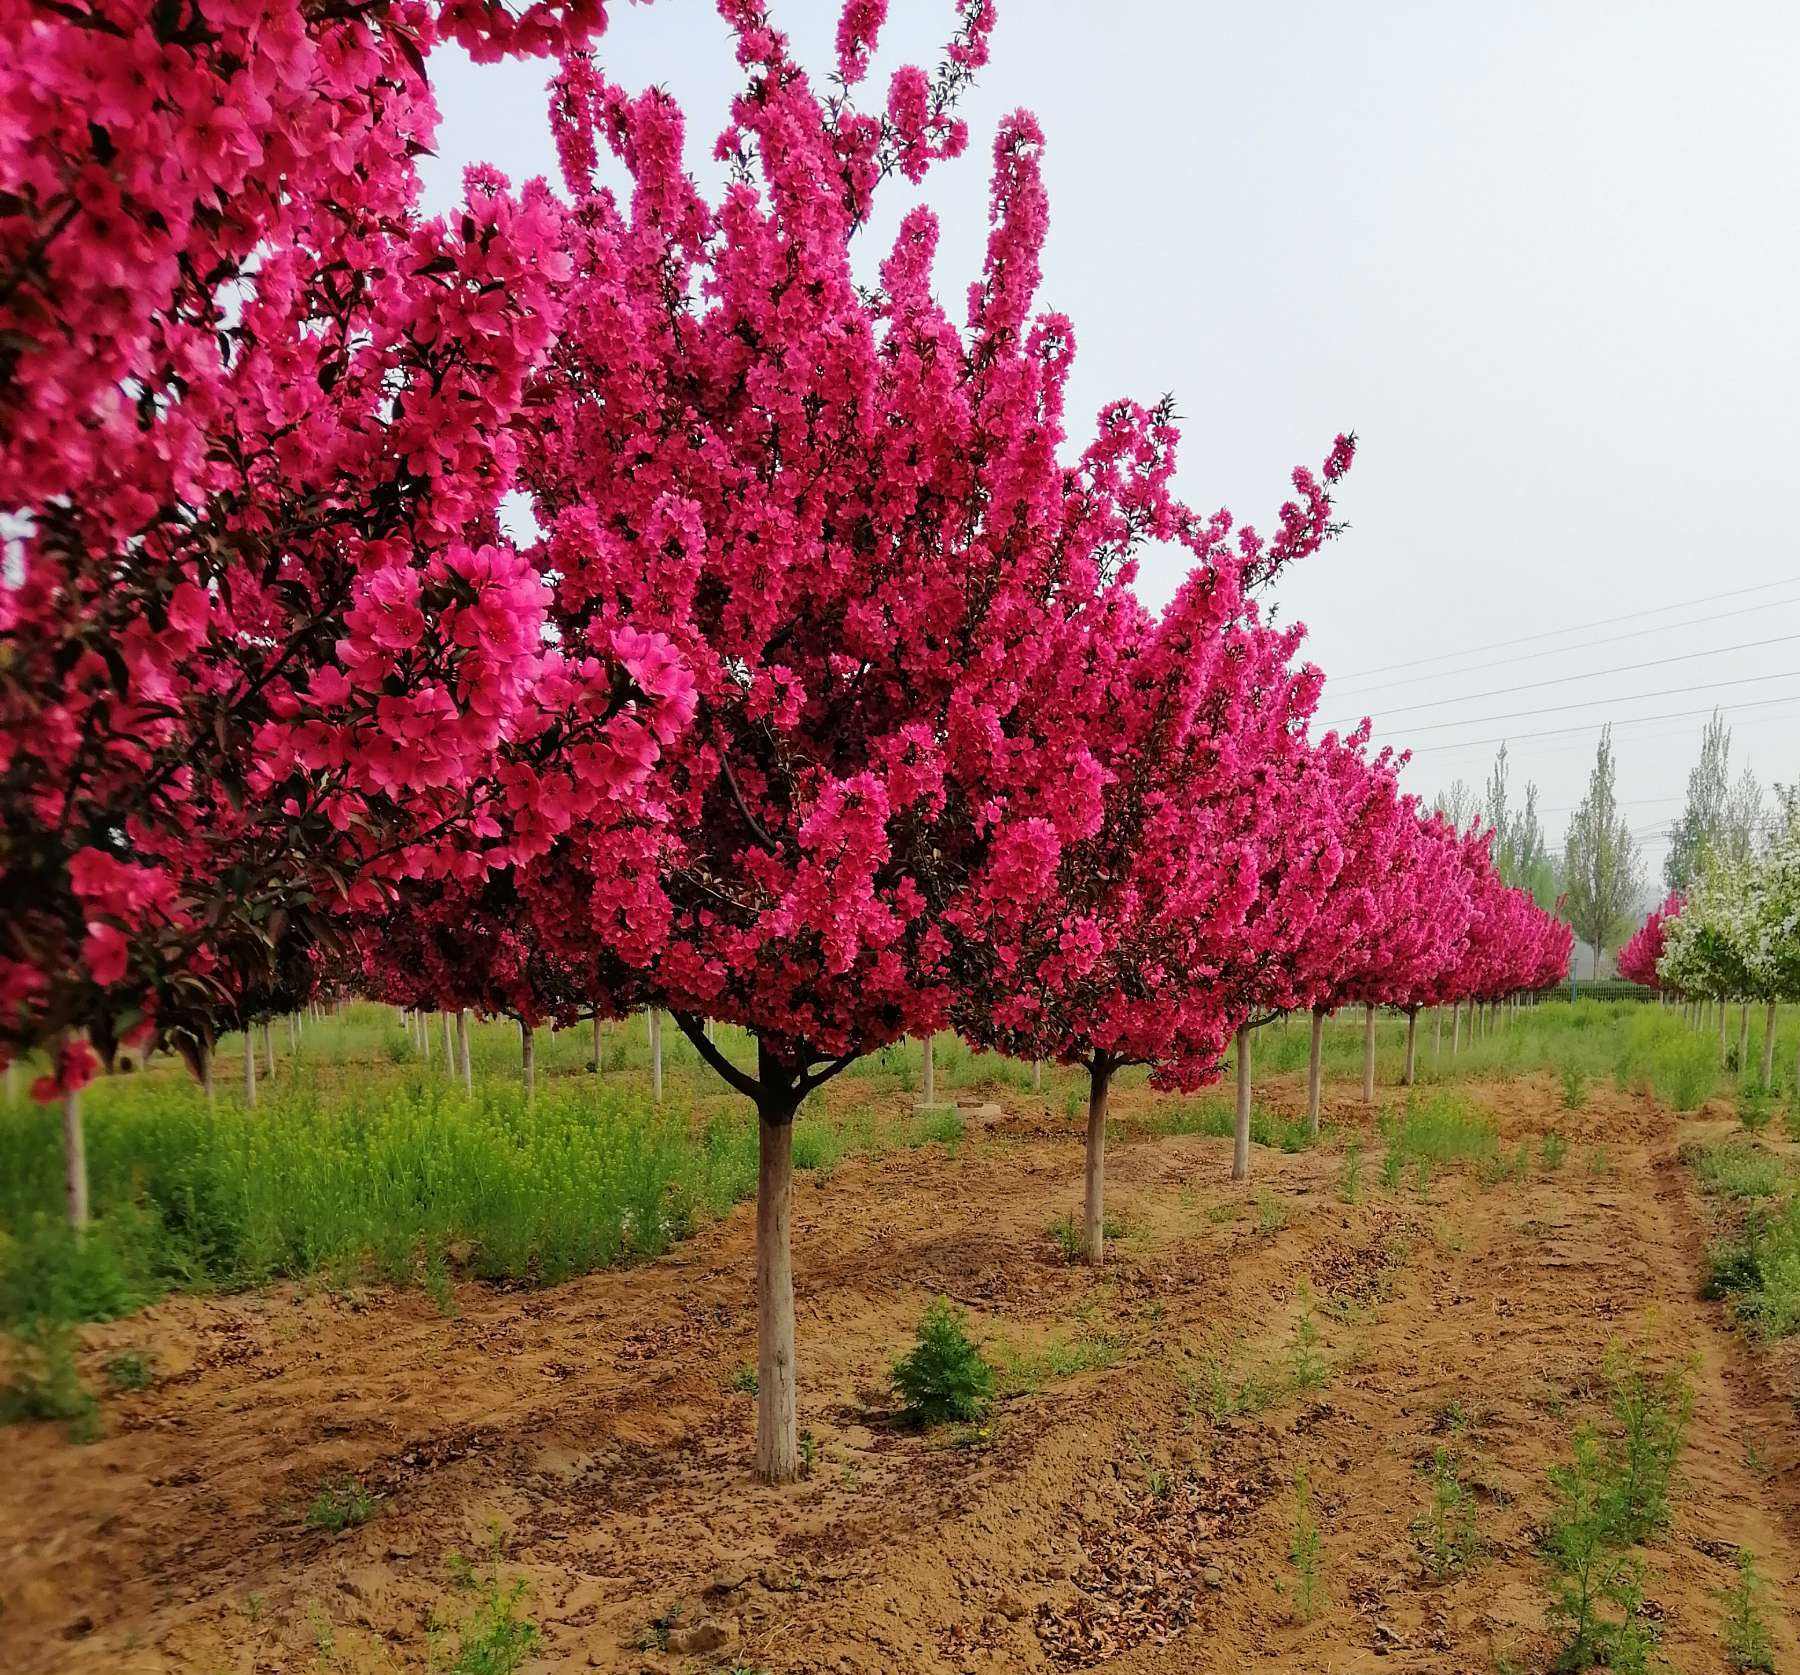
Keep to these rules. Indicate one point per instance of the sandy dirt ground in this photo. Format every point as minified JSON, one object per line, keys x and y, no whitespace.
{"x":586,"y":1439}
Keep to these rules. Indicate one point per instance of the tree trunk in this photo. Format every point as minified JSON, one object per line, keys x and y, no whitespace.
{"x":528,"y":1058}
{"x":777,"y":1427}
{"x":1314,"y":1070}
{"x":1037,"y":1075}
{"x":928,"y":1074}
{"x":599,"y":1063}
{"x":206,"y":1072}
{"x":293,"y":1034}
{"x":269,"y":1047}
{"x":1768,"y":1056}
{"x":1093,"y":1230}
{"x":1412,"y":1034}
{"x":449,"y":1048}
{"x":655,"y":1030}
{"x":1599,"y":954}
{"x":1743,"y":1038}
{"x":424,"y":1038}
{"x":1240,"y":1139}
{"x":462,"y":1048}
{"x":250,"y":1067}
{"x":1437,"y":1031}
{"x":1368,"y":1055}
{"x":1455,"y":1027}
{"x":75,"y":1159}
{"x":1720,"y":1008}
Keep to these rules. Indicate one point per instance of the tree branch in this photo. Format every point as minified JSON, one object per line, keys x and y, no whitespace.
{"x":695,"y":1030}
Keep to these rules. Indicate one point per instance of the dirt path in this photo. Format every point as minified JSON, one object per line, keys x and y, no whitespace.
{"x":1117,"y":1513}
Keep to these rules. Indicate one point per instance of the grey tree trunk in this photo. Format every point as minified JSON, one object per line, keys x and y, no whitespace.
{"x":462,"y":1048}
{"x":1368,"y":1088}
{"x":206,"y":1072}
{"x":1314,"y":1071}
{"x":424,"y":1038}
{"x":777,"y":1425}
{"x":928,"y":1073}
{"x":1093,"y":1227}
{"x":599,"y":1063}
{"x":250,"y":1066}
{"x":1743,"y":1038}
{"x":1240,"y":1138}
{"x":269,"y":1047}
{"x":1768,"y":1056}
{"x":75,"y":1159}
{"x":1721,"y":1011}
{"x":449,"y":1047}
{"x":1455,"y":1027}
{"x":1037,"y":1075}
{"x":528,"y":1058}
{"x":1412,"y":1035}
{"x":1437,"y":1032}
{"x":656,"y":1068}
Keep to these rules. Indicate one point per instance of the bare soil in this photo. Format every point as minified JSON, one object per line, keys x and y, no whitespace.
{"x":585,"y":1438}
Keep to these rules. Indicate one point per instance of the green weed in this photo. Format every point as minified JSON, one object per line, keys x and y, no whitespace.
{"x":1553,"y":1150}
{"x":1447,"y":1532}
{"x":130,"y":1370}
{"x":1306,"y":1552}
{"x":1745,"y":1630}
{"x":1350,"y":1175}
{"x":341,"y":1506}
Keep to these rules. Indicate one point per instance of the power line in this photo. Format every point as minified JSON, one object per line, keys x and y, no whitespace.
{"x":1586,"y":726}
{"x":1563,"y":680}
{"x":1552,"y":633}
{"x":1582,"y":645}
{"x":1584,"y":703}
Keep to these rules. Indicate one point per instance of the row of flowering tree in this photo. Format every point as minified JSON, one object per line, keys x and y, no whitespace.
{"x":1733,"y":937}
{"x":822,"y":704}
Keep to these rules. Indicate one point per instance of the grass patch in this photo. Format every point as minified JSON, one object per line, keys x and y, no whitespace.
{"x":1759,"y":1270}
{"x":1441,"y":1127}
{"x":341,"y":1506}
{"x":1734,"y":1171}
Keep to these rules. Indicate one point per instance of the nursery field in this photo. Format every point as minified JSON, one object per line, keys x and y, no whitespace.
{"x":389,"y":1376}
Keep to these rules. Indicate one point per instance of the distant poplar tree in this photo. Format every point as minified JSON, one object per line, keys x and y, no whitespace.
{"x":1703,"y":819}
{"x":1459,"y":804}
{"x":1521,"y":856}
{"x":1601,"y":870}
{"x":1743,"y":822}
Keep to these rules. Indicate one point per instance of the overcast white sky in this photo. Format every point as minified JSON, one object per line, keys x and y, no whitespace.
{"x":1542,"y":257}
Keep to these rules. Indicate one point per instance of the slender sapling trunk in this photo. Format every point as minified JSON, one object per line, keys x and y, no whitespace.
{"x":655,"y":1055}
{"x":1743,"y":1038}
{"x":1093,"y":1228}
{"x":250,"y":1066}
{"x":1314,"y":1070}
{"x":1240,"y":1135}
{"x":599,"y":1063}
{"x":1768,"y":1054}
{"x":462,"y":1048}
{"x":1412,"y":1035}
{"x":528,"y":1058}
{"x":269,"y":1047}
{"x":777,"y":1418}
{"x":1368,"y":1088}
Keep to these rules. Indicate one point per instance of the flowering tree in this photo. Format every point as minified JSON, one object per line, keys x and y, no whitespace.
{"x":1643,"y":950}
{"x":262,"y":650}
{"x":1198,"y":724}
{"x":1712,"y":949}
